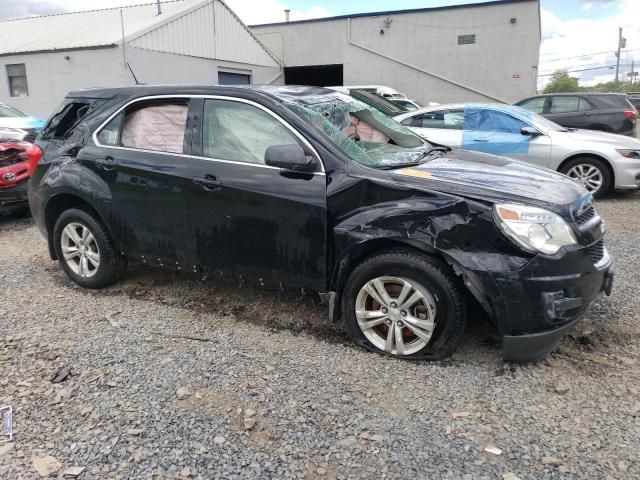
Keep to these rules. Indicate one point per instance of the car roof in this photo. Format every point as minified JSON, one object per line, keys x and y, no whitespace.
{"x":573,"y":94}
{"x":280,"y":93}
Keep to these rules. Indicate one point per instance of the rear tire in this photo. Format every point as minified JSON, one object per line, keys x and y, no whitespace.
{"x":430,"y":328}
{"x":591,"y":173}
{"x":85,"y":249}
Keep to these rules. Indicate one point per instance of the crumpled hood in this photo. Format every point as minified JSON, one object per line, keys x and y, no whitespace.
{"x":493,"y":178}
{"x":615,"y":140}
{"x":22,"y":122}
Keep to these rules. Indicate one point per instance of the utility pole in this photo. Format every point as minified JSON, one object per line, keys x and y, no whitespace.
{"x":621,"y":44}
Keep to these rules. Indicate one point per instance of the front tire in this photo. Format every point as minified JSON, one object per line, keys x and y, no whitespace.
{"x":591,"y":173}
{"x":85,"y":250}
{"x":406,"y":305}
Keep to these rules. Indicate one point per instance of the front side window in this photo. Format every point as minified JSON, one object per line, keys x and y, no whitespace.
{"x":17,"y":79}
{"x":484,"y":120}
{"x":241,"y":132}
{"x":157,"y":127}
{"x":564,"y":104}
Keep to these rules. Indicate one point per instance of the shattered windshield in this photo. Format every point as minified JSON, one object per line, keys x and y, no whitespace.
{"x":362,"y":132}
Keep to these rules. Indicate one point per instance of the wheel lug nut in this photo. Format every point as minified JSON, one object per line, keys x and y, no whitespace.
{"x":393,"y":305}
{"x":400,"y":324}
{"x":384,"y":310}
{"x":388,"y":322}
{"x":403,"y":313}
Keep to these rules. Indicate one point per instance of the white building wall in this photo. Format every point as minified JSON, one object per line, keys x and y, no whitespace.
{"x":501,"y":65}
{"x":50,"y":76}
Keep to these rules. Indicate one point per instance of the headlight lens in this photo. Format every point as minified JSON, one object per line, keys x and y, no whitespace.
{"x":629,"y":153}
{"x":534,"y":229}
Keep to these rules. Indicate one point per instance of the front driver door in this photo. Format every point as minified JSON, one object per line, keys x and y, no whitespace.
{"x":251,"y":220}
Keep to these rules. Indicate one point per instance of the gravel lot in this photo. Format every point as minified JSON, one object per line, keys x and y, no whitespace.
{"x":175,"y":377}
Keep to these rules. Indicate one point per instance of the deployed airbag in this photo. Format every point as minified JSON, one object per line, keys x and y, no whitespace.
{"x":157,"y":127}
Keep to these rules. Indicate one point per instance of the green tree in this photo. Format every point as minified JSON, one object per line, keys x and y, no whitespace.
{"x":612,"y":86}
{"x":561,"y":82}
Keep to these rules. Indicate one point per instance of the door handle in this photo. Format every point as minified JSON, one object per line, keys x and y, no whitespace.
{"x":480,"y":140}
{"x":106,"y":163}
{"x":208,"y":182}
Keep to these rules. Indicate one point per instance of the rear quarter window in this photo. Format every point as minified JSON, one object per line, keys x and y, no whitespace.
{"x":69,"y":114}
{"x":612,"y":101}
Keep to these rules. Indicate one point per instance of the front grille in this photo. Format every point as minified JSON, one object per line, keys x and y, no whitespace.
{"x":596,"y":251}
{"x":586,"y":215}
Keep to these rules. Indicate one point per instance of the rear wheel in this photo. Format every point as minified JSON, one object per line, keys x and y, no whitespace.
{"x":406,"y":305}
{"x":85,"y":249}
{"x":591,"y":173}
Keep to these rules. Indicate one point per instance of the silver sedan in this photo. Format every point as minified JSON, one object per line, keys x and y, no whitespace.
{"x":600,"y":161}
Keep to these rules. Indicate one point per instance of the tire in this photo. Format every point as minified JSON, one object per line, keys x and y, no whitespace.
{"x":442,"y":305}
{"x":99,"y":271}
{"x":580,"y":168}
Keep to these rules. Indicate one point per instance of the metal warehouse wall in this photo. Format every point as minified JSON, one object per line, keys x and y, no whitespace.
{"x":500,"y":66}
{"x":50,"y":76}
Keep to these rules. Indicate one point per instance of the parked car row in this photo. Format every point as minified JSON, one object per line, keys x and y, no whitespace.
{"x":302,"y":187}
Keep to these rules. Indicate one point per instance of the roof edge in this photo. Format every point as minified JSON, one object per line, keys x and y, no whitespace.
{"x":393,"y":12}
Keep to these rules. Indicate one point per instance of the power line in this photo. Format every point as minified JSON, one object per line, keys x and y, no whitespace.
{"x":587,"y":55}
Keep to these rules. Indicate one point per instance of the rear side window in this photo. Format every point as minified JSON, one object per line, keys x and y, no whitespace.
{"x":564,"y":104}
{"x":535,"y":105}
{"x":157,"y":127}
{"x":444,"y":119}
{"x":241,"y":132}
{"x":68,"y":115}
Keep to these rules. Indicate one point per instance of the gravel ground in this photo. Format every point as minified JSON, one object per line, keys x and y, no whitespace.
{"x":173,"y":377}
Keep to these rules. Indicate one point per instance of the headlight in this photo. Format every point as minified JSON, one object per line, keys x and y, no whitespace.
{"x":629,"y":153}
{"x":534,"y":229}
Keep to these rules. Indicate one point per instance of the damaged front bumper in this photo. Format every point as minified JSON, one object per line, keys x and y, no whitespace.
{"x":533,"y":308}
{"x":13,"y":197}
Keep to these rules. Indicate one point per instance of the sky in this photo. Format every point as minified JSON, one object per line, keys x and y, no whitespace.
{"x":576,"y":34}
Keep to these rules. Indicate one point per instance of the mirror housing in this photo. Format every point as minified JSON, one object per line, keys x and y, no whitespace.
{"x":530,"y":131}
{"x":289,"y":157}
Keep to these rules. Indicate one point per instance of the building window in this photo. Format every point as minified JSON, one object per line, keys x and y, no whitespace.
{"x":466,"y":39}
{"x":17,"y":75}
{"x":229,"y":78}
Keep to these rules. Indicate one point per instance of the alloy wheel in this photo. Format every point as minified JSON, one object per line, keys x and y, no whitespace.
{"x":396,"y":315}
{"x":80,"y":250}
{"x":587,"y":175}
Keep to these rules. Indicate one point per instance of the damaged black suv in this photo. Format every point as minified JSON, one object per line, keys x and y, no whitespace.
{"x":301,"y":187}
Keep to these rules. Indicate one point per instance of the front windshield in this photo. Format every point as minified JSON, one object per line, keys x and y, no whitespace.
{"x":538,"y":120}
{"x":362,"y":132}
{"x":7,"y":111}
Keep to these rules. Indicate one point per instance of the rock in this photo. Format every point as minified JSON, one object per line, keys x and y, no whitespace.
{"x":219,"y":439}
{"x":553,"y":461}
{"x":6,"y":448}
{"x":249,"y":423}
{"x":249,"y":412}
{"x":561,"y":388}
{"x":61,"y":396}
{"x":46,"y":465}
{"x":182,"y":393}
{"x":510,"y":476}
{"x":136,"y":432}
{"x":73,"y":471}
{"x":377,"y":437}
{"x":493,"y":450}
{"x":347,"y":442}
{"x":185,"y":472}
{"x":321,"y":471}
{"x":456,"y":415}
{"x":61,"y":374}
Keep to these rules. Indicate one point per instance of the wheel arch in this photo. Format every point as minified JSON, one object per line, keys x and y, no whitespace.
{"x":59,"y":203}
{"x":594,"y":156}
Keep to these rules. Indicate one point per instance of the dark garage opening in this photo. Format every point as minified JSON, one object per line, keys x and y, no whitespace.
{"x":229,"y":78}
{"x":314,"y":75}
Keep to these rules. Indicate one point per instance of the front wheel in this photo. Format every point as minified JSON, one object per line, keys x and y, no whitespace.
{"x":404,"y":304}
{"x":85,"y":250}
{"x":591,"y":173}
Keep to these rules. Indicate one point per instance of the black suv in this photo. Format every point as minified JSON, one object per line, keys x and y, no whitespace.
{"x":307,"y":188}
{"x":608,"y":112}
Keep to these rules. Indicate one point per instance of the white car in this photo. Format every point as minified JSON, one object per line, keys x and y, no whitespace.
{"x":600,"y":161}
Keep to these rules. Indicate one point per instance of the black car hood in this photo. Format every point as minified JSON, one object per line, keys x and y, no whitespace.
{"x":492,"y":178}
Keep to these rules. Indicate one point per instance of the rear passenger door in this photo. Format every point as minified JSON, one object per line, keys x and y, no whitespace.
{"x":140,"y":157}
{"x":263,"y":224}
{"x":570,"y":111}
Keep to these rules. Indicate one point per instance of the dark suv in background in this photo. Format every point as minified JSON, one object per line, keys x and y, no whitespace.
{"x":307,"y":188}
{"x":609,"y":112}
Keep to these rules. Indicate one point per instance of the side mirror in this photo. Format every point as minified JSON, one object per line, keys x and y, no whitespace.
{"x":530,"y":131}
{"x":289,"y":157}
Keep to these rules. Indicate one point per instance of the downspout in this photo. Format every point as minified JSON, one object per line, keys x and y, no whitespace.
{"x":417,"y":68}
